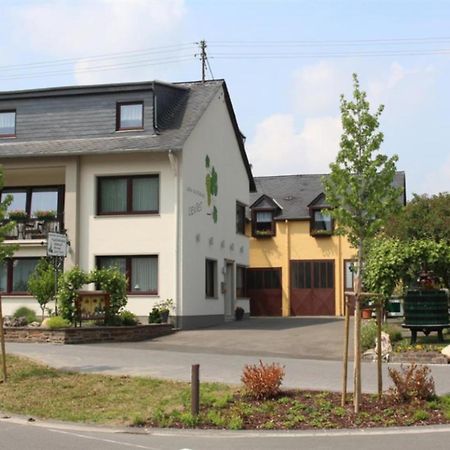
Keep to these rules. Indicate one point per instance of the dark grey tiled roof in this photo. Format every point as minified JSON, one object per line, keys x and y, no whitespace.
{"x":177,"y":126}
{"x":295,"y":192}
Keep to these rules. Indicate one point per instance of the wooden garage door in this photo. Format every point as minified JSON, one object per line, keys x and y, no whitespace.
{"x":264,"y":291}
{"x":312,"y":288}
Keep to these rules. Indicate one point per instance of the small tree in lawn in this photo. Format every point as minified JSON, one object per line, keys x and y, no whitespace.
{"x":5,"y":251}
{"x":359,"y":189}
{"x":41,"y":283}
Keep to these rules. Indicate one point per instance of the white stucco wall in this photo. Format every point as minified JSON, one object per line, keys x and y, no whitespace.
{"x":202,"y":238}
{"x":130,"y":234}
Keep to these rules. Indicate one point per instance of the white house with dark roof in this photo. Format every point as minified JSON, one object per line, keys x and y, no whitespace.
{"x":138,"y":176}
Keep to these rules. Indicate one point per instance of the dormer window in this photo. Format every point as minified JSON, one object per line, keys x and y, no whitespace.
{"x":130,"y":116}
{"x":7,"y":123}
{"x":263,"y":224}
{"x":321,"y":223}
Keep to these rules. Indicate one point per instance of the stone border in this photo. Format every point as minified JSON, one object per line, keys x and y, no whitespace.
{"x":86,"y":335}
{"x":419,"y":357}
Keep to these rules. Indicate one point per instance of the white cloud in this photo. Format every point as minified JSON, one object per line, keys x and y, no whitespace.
{"x":317,"y":89}
{"x":437,"y":180}
{"x":68,"y":29}
{"x":278,"y":148}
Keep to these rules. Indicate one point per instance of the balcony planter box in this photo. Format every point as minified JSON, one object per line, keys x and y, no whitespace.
{"x":46,"y":216}
{"x":18,"y":216}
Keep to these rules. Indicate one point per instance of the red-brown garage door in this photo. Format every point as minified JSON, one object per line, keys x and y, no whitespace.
{"x":312,"y":288}
{"x":264,"y":291}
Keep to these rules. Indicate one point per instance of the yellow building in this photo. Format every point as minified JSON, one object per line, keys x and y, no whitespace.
{"x":298,"y":266}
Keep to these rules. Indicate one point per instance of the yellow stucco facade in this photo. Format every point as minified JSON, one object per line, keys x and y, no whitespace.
{"x":293,"y":241}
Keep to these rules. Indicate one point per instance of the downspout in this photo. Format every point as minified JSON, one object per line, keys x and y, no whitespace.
{"x":174,"y":163}
{"x":288,"y":272}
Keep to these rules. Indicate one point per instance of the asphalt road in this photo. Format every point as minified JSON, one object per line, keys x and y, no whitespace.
{"x":20,"y":435}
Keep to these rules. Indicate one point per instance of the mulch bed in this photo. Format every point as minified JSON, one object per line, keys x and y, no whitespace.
{"x":302,"y":410}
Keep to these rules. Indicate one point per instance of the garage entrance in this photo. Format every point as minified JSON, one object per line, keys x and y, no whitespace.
{"x":312,"y":288}
{"x":264,"y":291}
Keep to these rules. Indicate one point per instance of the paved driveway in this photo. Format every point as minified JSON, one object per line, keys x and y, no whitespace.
{"x":312,"y":338}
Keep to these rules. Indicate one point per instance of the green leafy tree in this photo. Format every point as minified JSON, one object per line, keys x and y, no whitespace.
{"x":41,"y":283}
{"x":68,"y":285}
{"x":360,"y":187}
{"x":424,"y":217}
{"x":360,"y":191}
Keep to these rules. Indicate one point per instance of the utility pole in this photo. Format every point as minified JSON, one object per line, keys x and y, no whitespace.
{"x":203,"y":58}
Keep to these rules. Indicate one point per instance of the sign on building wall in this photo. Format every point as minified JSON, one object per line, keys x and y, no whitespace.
{"x":211,"y":188}
{"x":56,"y":244}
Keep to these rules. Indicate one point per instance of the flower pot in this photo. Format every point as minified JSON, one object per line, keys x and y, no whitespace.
{"x":164,"y":314}
{"x":366,"y":313}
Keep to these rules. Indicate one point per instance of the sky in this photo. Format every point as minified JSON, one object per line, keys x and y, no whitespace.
{"x":286,"y":63}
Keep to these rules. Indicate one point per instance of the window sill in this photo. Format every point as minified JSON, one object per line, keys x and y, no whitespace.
{"x":142,"y":294}
{"x":129,"y":130}
{"x":318,"y":234}
{"x":8,"y":136}
{"x":125,"y":215}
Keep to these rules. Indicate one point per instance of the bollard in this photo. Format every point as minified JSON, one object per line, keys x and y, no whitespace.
{"x":195,"y":389}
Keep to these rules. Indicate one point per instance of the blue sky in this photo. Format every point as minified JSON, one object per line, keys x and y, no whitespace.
{"x":287,"y":107}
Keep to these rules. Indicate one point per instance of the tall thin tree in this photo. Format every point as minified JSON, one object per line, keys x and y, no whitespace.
{"x":360,"y":191}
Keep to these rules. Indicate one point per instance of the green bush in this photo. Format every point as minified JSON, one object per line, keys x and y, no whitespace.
{"x":57,"y":322}
{"x":28,"y":313}
{"x":128,"y":318}
{"x":154,"y":315}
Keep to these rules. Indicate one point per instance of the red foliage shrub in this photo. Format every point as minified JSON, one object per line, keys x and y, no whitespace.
{"x":412,"y":382}
{"x":262,"y":381}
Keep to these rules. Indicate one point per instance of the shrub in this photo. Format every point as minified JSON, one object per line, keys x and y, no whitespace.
{"x":128,"y":318}
{"x":412,"y":382}
{"x":68,"y":285}
{"x":57,"y":322}
{"x":369,"y":333}
{"x":262,"y":381}
{"x":154,"y":315}
{"x":28,"y":313}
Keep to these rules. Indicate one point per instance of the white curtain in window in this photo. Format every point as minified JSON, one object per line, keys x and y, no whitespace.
{"x":264,"y":216}
{"x":22,"y":269}
{"x":131,"y":116}
{"x":144,"y":274}
{"x":3,"y":277}
{"x":145,"y":194}
{"x":8,"y":123}
{"x":113,"y":195}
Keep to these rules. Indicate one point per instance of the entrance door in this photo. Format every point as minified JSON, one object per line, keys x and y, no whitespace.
{"x":264,"y":290}
{"x":229,"y":290}
{"x":312,"y":288}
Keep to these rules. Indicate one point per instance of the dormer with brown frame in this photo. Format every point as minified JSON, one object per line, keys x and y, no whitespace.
{"x":263,"y":213}
{"x":321,"y":225}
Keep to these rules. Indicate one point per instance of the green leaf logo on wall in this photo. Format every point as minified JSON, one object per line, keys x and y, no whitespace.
{"x":211,"y":187}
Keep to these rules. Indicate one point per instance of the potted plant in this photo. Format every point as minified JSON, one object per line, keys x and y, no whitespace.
{"x":46,"y":216}
{"x":18,"y":215}
{"x":164,"y":309}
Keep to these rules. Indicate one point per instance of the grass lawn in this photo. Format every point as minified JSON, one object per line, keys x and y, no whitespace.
{"x":39,"y":391}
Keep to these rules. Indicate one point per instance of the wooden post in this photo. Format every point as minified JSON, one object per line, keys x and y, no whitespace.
{"x":2,"y":341}
{"x":357,"y":356}
{"x":346,"y":335}
{"x":379,"y":354}
{"x":195,"y":389}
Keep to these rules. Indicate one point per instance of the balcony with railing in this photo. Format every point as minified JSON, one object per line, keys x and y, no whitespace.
{"x":27,"y":228}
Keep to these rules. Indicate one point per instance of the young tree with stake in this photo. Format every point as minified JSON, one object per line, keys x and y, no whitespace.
{"x":360,"y":191}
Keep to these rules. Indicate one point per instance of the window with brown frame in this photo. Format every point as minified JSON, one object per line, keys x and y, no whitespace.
{"x":321,"y":224}
{"x":130,"y":116}
{"x":128,"y":195}
{"x":240,"y":218}
{"x":241,"y":281}
{"x":263,"y":224}
{"x":211,"y":278}
{"x":14,"y":274}
{"x":141,"y":271}
{"x":8,"y":123}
